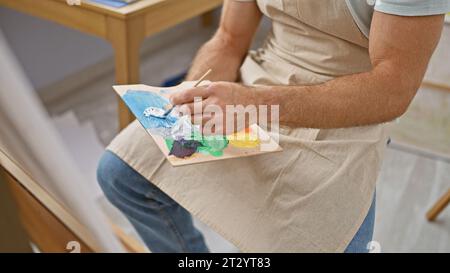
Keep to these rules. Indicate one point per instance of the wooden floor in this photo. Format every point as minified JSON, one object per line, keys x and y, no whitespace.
{"x":408,"y":184}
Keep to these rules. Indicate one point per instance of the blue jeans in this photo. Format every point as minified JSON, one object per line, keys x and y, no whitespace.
{"x":161,"y":222}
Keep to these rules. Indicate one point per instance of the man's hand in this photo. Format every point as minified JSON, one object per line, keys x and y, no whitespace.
{"x":220,"y":108}
{"x":223,"y":54}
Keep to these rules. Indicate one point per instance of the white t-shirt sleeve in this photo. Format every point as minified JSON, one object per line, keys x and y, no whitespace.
{"x":413,"y":7}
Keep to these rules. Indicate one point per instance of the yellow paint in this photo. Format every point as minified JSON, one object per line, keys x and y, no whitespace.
{"x":244,"y":139}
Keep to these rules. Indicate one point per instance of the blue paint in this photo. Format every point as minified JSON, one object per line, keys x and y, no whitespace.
{"x":138,"y":101}
{"x":112,"y":3}
{"x":164,"y":91}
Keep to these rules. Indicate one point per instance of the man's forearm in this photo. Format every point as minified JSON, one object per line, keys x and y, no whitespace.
{"x":225,"y":52}
{"x":219,"y":55}
{"x":355,"y":100}
{"x":400,"y":49}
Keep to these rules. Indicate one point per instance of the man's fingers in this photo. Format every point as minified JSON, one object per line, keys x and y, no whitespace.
{"x":197,"y":107}
{"x":213,"y":125}
{"x":201,"y":119}
{"x":192,"y":108}
{"x":188,"y":95}
{"x":186,"y":109}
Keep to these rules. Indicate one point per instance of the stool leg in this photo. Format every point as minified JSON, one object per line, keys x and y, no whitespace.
{"x":438,"y":207}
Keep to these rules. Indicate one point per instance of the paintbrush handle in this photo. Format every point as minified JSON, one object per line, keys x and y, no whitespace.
{"x":203,"y":77}
{"x":170,"y":107}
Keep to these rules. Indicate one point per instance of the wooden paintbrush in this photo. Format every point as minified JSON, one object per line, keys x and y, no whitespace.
{"x":170,"y":107}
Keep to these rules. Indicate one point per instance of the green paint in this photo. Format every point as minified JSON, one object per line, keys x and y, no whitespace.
{"x":212,"y":145}
{"x":169,"y":143}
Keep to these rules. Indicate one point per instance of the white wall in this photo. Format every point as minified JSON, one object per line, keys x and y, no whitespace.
{"x":48,"y":51}
{"x":439,"y":68}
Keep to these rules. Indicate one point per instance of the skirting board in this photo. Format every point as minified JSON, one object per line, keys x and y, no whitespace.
{"x":18,"y":175}
{"x":75,"y":81}
{"x":419,"y":151}
{"x":436,"y":85}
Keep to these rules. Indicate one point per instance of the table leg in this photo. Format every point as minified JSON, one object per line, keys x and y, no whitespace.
{"x":126,"y":37}
{"x":207,"y":18}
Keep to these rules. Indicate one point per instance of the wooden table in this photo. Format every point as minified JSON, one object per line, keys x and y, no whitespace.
{"x":125,"y":28}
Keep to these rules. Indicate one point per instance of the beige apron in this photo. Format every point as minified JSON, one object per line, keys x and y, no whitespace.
{"x":313,"y":196}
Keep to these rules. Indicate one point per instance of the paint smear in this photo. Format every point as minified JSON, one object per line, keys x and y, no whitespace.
{"x":181,"y":141}
{"x":244,"y":139}
{"x":165,"y":91}
{"x":184,"y":148}
{"x":208,"y":145}
{"x":140,"y":101}
{"x":213,"y":145}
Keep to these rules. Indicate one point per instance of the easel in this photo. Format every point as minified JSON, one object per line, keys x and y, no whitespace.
{"x":48,"y":224}
{"x":13,"y":237}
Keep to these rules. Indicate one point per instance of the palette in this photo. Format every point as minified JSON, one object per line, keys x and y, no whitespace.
{"x":195,"y":148}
